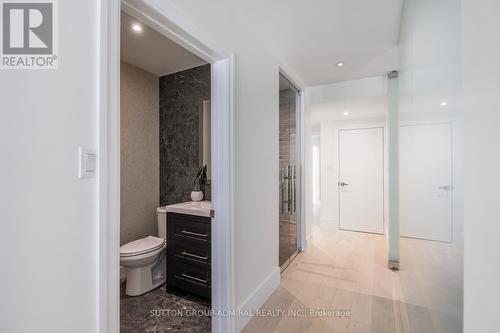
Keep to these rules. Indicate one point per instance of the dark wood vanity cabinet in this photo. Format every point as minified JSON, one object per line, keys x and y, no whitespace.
{"x":189,"y":253}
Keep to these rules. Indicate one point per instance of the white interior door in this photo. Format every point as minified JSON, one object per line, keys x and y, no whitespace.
{"x":426,"y":181}
{"x":361,"y":179}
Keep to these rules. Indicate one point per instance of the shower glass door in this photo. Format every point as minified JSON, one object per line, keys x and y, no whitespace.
{"x":289,"y":156}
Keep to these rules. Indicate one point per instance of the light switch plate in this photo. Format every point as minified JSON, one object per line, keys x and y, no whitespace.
{"x":87,"y":163}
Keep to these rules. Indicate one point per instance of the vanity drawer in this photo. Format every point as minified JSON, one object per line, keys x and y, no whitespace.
{"x":191,"y":251}
{"x":189,"y":227}
{"x":190,"y":277}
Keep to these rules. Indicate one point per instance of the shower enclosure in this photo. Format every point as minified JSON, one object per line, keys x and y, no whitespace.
{"x":289,"y":156}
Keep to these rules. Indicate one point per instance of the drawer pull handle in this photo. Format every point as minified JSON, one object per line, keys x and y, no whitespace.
{"x":194,"y":255}
{"x":194,"y":233}
{"x":194,"y":278}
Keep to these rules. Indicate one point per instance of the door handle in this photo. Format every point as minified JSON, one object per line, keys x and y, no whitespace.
{"x":194,"y":255}
{"x":190,"y":233}
{"x":284,"y":189}
{"x":295,"y":189}
{"x":289,"y":188}
{"x":292,"y":189}
{"x":342,"y":184}
{"x":445,"y":187}
{"x":194,"y":278}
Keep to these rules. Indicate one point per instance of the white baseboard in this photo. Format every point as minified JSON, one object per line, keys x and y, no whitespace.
{"x":257,"y":298}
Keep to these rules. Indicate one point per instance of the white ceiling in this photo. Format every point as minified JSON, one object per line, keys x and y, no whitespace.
{"x":152,"y":51}
{"x":425,"y":105}
{"x":312,"y":36}
{"x":357,"y":109}
{"x":421,"y":93}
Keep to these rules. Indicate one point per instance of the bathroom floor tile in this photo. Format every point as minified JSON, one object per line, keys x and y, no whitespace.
{"x":159,"y":311}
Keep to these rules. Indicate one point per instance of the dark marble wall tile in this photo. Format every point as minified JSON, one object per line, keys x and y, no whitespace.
{"x":181,"y":100}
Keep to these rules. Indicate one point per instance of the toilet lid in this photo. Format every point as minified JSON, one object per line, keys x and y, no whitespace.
{"x":141,"y":246}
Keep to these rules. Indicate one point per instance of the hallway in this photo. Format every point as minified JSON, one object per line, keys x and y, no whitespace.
{"x":347,"y":271}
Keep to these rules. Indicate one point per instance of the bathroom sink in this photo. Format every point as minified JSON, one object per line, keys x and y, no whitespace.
{"x":204,"y":205}
{"x":198,"y":208}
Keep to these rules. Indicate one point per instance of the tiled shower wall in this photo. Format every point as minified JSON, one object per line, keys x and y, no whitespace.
{"x":181,"y":99}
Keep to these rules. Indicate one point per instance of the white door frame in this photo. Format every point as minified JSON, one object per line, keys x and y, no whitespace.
{"x":350,"y":128}
{"x":108,"y":228}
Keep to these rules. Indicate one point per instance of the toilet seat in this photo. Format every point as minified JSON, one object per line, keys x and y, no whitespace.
{"x":141,"y":246}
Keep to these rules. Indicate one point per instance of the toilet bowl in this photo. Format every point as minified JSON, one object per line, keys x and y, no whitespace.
{"x":145,"y":260}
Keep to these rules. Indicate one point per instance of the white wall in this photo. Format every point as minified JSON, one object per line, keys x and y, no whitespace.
{"x":366,"y":103}
{"x":482,"y":180}
{"x":330,"y":166}
{"x":48,"y":215}
{"x":309,"y":209}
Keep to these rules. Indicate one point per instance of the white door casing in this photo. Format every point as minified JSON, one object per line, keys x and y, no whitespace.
{"x":222,"y":155}
{"x":361,"y":179}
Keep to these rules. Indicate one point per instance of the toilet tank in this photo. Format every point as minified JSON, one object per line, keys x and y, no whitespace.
{"x":162,"y":222}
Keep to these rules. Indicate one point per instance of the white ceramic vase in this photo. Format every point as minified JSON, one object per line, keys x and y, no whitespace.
{"x":196,"y":195}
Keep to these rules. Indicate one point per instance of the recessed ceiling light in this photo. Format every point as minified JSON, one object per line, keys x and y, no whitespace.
{"x":443,"y":103}
{"x":340,"y":64}
{"x":136,"y":27}
{"x":346,"y":113}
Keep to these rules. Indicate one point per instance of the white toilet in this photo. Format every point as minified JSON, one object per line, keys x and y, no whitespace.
{"x":145,"y":260}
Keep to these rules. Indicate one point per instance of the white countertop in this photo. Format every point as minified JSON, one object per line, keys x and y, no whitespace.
{"x":197,"y":208}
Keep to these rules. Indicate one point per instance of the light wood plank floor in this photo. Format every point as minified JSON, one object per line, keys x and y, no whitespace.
{"x":348,"y":271}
